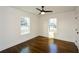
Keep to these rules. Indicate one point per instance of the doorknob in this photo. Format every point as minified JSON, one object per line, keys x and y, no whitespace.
{"x":77,"y":32}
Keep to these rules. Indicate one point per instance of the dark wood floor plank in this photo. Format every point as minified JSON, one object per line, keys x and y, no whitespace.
{"x":42,"y":44}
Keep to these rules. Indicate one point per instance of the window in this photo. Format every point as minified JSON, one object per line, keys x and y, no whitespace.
{"x":52,"y":25}
{"x":25,"y":25}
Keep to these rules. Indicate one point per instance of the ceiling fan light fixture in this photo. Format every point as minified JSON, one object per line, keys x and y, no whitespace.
{"x":42,"y":13}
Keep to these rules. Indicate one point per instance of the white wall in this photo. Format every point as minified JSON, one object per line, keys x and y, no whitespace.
{"x":65,"y":25}
{"x":10,"y":29}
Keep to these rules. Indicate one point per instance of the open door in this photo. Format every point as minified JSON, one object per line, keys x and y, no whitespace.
{"x":77,"y":31}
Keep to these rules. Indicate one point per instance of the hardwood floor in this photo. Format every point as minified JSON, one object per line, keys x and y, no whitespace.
{"x":42,"y":44}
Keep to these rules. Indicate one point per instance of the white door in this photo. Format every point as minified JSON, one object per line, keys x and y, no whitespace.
{"x":77,"y":31}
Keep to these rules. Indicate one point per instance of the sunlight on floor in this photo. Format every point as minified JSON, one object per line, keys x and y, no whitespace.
{"x":51,"y":34}
{"x":53,"y":48}
{"x":25,"y":50}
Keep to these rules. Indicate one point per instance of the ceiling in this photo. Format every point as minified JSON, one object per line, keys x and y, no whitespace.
{"x":55,"y":9}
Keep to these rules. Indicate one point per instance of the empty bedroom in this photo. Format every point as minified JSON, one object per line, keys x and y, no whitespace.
{"x":39,"y":29}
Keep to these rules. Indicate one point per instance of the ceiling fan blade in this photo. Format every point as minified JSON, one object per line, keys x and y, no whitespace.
{"x":38,"y":9}
{"x":48,"y":11}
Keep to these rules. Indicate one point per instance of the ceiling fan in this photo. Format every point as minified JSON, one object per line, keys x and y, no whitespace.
{"x":43,"y":11}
